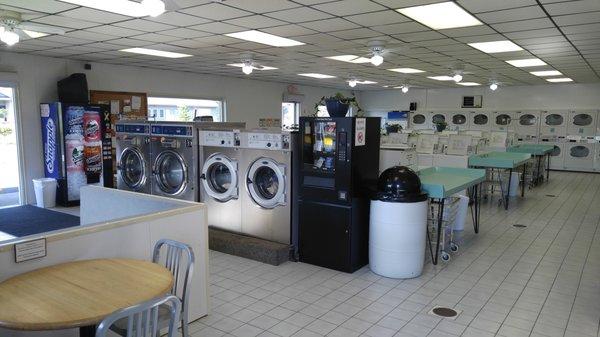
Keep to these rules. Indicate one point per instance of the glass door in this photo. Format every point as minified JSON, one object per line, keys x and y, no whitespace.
{"x":10,"y":179}
{"x":319,"y":146}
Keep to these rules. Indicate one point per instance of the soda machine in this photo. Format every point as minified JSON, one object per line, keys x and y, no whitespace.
{"x":336,"y":176}
{"x":77,"y":148}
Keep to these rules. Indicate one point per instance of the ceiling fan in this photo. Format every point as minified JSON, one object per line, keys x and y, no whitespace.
{"x":378,"y":49}
{"x":12,"y":28}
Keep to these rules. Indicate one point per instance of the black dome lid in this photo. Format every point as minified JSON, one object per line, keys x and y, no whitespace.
{"x":400,"y":184}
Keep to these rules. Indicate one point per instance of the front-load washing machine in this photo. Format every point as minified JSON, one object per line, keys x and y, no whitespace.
{"x":174,"y":148}
{"x":579,"y":156}
{"x":267,"y":177}
{"x":503,"y":121}
{"x":557,"y":156}
{"x":458,"y":121}
{"x":420,"y":120}
{"x":582,"y":123}
{"x":134,"y":169}
{"x":220,"y":180}
{"x":554,"y":123}
{"x":480,"y":120}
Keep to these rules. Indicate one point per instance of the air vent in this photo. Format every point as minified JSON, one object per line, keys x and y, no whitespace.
{"x":472,"y":101}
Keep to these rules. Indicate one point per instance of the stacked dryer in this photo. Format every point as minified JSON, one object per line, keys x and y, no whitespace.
{"x":580,"y":149}
{"x":419,"y":120}
{"x":527,"y":126}
{"x":553,"y":131}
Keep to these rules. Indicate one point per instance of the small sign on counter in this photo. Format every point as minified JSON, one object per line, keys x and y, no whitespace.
{"x":30,"y":250}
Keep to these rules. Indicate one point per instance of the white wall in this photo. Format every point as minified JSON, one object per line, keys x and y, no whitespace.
{"x":247,"y":100}
{"x":557,"y":96}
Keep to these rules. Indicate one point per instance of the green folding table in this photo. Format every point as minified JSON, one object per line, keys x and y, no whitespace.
{"x":539,"y":151}
{"x":442,"y":182}
{"x":510,"y":161}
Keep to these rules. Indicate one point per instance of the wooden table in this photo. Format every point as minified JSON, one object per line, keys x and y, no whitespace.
{"x":78,"y":294}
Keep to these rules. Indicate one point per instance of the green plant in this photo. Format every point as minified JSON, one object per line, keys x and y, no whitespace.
{"x":351,"y":101}
{"x":440,"y":123}
{"x":5,"y":131}
{"x":185,"y":115}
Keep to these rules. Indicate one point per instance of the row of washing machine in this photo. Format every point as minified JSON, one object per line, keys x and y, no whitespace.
{"x":243,"y":176}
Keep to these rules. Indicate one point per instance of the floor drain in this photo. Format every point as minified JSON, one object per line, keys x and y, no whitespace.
{"x":518,"y":225}
{"x":551,"y":195}
{"x":444,"y":312}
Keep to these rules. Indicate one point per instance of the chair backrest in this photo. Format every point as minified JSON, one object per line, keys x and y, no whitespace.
{"x":142,"y":319}
{"x":179,"y":259}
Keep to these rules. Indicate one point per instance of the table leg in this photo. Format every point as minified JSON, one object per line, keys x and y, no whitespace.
{"x":548,"y":168}
{"x":523,"y":180}
{"x":508,"y":189}
{"x":440,"y":216}
{"x":538,"y":174}
{"x":87,"y":331}
{"x":476,"y":206}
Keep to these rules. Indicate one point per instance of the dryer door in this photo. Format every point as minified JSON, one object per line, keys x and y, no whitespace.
{"x":265,"y":181}
{"x":219,"y":177}
{"x":132,"y":168}
{"x":171,"y":172}
{"x":580,"y":152}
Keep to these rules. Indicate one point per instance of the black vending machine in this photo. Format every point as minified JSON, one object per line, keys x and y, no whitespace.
{"x":339,"y":164}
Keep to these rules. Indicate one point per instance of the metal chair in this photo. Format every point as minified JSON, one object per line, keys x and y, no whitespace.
{"x":177,"y":253}
{"x":142,"y":320}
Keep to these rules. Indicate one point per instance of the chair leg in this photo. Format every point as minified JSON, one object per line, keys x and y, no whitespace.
{"x":184,"y":327}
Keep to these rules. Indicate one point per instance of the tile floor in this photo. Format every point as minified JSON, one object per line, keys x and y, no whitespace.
{"x":542,"y":280}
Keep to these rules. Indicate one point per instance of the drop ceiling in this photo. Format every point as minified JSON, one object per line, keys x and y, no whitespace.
{"x":564,"y":34}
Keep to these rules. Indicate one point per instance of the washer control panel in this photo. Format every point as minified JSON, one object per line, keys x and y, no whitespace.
{"x":219,"y":138}
{"x":267,"y":141}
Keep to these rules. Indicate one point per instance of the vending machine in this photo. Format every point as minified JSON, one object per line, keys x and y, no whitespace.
{"x":337,"y":175}
{"x":77,"y":148}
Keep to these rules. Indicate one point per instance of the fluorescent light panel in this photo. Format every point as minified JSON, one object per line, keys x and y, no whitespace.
{"x":526,"y":63}
{"x":34,"y":35}
{"x":366,"y":82}
{"x":265,"y":38}
{"x":441,"y":78}
{"x":349,"y":58}
{"x":559,"y":80}
{"x":315,"y":75}
{"x":543,"y":73}
{"x":154,"y":52}
{"x":407,"y":70}
{"x":442,"y":15}
{"x":469,"y":84}
{"x":496,"y":46}
{"x":239,"y":65}
{"x":123,"y":7}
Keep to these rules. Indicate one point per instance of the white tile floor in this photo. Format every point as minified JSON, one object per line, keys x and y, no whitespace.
{"x":542,"y":280}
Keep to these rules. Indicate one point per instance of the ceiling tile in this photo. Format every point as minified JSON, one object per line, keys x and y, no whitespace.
{"x":92,"y":15}
{"x":330,"y":25}
{"x":114,"y":31}
{"x":399,"y":28}
{"x":515,"y":26}
{"x":46,"y":6}
{"x":144,"y":25}
{"x":572,"y":7}
{"x":63,"y":21}
{"x":262,"y":6}
{"x":217,"y":28}
{"x":216,"y":11}
{"x":377,"y":18}
{"x":178,"y":19}
{"x":185,"y":33}
{"x":577,"y":19}
{"x":255,"y":22}
{"x":349,"y":7}
{"x":478,"y":6}
{"x":289,"y":30}
{"x":301,"y":14}
{"x":522,"y":13}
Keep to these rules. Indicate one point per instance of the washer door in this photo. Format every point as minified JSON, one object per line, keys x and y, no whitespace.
{"x":133,"y":168}
{"x":219,"y":177}
{"x":265,"y":181}
{"x":171,"y":172}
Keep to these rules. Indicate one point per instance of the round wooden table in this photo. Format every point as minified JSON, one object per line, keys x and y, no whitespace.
{"x":79,"y":294}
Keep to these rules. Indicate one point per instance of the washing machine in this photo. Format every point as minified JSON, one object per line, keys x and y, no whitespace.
{"x":480,"y":120}
{"x":557,"y":156}
{"x":220,"y":178}
{"x":554,"y":123}
{"x":579,"y":155}
{"x":266,"y":173}
{"x":458,"y":121}
{"x":420,"y":120}
{"x":582,"y":123}
{"x":528,"y":126}
{"x":134,"y":170}
{"x":174,"y":149}
{"x":503,"y":121}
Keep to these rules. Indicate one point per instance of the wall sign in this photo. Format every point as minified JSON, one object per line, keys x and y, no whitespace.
{"x":30,"y":250}
{"x":360,"y":137}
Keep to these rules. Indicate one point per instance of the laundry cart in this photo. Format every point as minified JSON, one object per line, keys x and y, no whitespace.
{"x":480,"y":120}
{"x":554,"y":123}
{"x":420,"y":120}
{"x":458,"y":121}
{"x":528,"y":125}
{"x":582,"y":123}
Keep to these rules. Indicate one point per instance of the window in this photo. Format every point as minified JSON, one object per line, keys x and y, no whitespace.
{"x":290,"y":114}
{"x":184,"y":109}
{"x":11,"y":182}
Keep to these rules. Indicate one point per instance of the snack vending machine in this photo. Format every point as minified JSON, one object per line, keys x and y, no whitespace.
{"x":77,"y":148}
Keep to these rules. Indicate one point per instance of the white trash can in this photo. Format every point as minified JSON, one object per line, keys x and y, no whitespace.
{"x":461,"y":214}
{"x":398,"y":225}
{"x":45,"y":192}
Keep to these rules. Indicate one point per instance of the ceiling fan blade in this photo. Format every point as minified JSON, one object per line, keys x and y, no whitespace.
{"x":41,"y":28}
{"x":171,"y":5}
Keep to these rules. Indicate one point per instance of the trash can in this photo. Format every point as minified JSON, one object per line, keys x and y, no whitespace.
{"x":45,"y":192}
{"x":461,"y":214}
{"x":398,"y":225}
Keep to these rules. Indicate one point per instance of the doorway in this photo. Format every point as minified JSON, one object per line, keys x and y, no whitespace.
{"x":10,"y":182}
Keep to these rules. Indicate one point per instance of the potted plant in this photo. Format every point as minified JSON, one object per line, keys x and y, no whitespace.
{"x":440,"y":126}
{"x":338,"y":105}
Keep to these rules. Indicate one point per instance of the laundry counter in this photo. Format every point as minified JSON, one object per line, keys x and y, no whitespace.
{"x":120,"y":224}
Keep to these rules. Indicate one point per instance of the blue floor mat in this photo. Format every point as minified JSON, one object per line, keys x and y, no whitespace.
{"x":28,"y":220}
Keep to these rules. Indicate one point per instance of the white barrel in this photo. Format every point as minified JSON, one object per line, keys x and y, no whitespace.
{"x":461,"y":213}
{"x":397,"y":238}
{"x":45,"y":192}
{"x":514,"y":183}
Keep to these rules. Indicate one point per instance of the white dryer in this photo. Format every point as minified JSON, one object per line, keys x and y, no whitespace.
{"x":266,"y":173}
{"x":439,"y":117}
{"x":554,"y":123}
{"x":134,"y":169}
{"x":579,"y":156}
{"x":597,"y":157}
{"x":503,"y":121}
{"x":480,"y":120}
{"x":220,"y":178}
{"x":582,"y":123}
{"x":557,"y":156}
{"x":458,"y":121}
{"x":528,"y":126}
{"x":420,"y":120}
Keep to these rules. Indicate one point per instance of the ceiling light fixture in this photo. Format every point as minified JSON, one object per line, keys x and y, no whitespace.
{"x":526,"y":63}
{"x":123,"y":7}
{"x":559,"y":80}
{"x":254,"y":65}
{"x":543,"y":73}
{"x":493,"y":86}
{"x":154,"y":8}
{"x":377,"y":49}
{"x":442,"y":15}
{"x":265,"y":38}
{"x":457,"y":77}
{"x":376,"y":60}
{"x":154,"y":52}
{"x":441,"y":78}
{"x":316,"y":75}
{"x":352,"y":83}
{"x":407,"y":70}
{"x":496,"y":46}
{"x":349,"y":58}
{"x":247,"y":67}
{"x":469,"y":84}
{"x":405,"y":89}
{"x":9,"y":36}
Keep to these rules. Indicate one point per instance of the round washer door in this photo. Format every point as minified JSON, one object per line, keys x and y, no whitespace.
{"x":133,"y":168}
{"x":265,"y":181}
{"x":219,"y":177}
{"x":171,"y":172}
